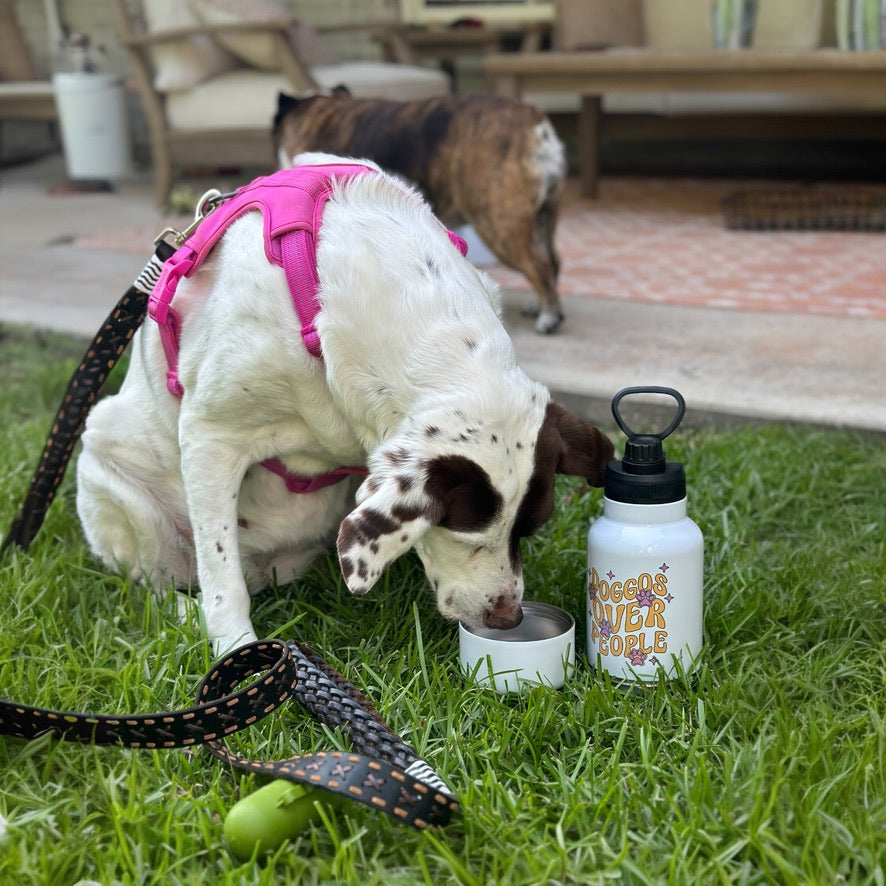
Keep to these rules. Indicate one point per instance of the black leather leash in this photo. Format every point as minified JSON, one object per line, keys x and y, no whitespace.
{"x":383,"y":772}
{"x":83,"y":390}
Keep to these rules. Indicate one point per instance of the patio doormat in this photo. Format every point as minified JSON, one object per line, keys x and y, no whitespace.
{"x":804,"y":209}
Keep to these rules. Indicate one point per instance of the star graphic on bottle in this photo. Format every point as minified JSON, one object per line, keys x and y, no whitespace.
{"x":669,"y":597}
{"x":664,"y":567}
{"x":610,"y":575}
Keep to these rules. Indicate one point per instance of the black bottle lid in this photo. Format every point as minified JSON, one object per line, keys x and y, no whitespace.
{"x":643,"y":476}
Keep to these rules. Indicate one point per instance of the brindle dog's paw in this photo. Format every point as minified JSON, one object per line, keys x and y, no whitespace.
{"x":548,"y":321}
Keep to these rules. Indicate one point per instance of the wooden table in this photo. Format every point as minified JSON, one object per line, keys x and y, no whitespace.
{"x":409,"y":45}
{"x":594,"y":74}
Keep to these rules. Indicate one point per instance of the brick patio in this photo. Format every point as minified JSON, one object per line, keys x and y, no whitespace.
{"x":664,"y":241}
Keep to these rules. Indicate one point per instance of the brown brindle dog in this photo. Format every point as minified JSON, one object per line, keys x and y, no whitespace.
{"x":492,"y":162}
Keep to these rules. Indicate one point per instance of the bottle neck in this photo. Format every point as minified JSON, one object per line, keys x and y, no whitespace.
{"x":623,"y":512}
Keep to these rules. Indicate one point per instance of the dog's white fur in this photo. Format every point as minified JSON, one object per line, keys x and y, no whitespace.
{"x":417,"y":371}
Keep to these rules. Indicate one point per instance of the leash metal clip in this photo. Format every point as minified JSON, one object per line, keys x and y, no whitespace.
{"x":209,"y":201}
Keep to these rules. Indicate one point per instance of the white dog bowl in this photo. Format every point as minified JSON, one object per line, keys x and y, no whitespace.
{"x":540,"y":650}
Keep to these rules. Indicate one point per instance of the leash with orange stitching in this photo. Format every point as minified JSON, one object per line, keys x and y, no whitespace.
{"x":383,"y":772}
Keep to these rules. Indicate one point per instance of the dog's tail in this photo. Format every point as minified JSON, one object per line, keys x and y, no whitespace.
{"x":83,"y":390}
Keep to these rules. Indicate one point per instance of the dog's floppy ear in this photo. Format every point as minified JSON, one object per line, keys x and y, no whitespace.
{"x":581,"y":450}
{"x":386,"y":524}
{"x":448,"y":490}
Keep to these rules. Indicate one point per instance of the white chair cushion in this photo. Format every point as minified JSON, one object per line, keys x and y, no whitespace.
{"x":254,"y":93}
{"x":368,"y":79}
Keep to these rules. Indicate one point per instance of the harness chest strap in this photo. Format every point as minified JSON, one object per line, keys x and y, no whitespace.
{"x":291,"y":202}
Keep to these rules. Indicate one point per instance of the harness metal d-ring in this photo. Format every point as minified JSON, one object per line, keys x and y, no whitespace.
{"x":207,"y":202}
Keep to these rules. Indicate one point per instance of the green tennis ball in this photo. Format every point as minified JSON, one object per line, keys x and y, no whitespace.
{"x":268,"y":817}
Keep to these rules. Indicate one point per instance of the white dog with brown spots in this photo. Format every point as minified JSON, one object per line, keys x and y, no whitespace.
{"x":417,"y":381}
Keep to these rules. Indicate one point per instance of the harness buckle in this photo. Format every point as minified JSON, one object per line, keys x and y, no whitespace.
{"x":209,"y":201}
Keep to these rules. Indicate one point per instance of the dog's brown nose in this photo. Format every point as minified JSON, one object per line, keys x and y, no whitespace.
{"x":505,"y":614}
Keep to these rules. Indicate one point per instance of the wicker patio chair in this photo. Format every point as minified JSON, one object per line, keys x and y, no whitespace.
{"x":206,"y":106}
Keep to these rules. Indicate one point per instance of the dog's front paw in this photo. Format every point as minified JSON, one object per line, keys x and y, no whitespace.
{"x":548,"y":321}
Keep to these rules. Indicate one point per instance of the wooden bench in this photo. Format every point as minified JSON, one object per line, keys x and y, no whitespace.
{"x":22,"y":95}
{"x":594,"y":74}
{"x":27,"y":100}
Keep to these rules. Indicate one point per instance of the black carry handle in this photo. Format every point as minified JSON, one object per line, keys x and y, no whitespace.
{"x":652,"y":389}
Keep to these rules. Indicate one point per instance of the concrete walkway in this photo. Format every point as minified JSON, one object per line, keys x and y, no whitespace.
{"x":729,"y":365}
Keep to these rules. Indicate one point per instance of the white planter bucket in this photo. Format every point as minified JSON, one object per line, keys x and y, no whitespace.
{"x":92,"y":115}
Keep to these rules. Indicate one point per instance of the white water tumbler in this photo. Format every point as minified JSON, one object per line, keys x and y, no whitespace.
{"x":645,"y":562}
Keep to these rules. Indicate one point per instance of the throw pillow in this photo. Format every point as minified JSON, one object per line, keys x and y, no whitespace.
{"x":182,"y":64}
{"x":590,"y":24}
{"x":258,"y":49}
{"x":683,"y":25}
{"x":790,"y":24}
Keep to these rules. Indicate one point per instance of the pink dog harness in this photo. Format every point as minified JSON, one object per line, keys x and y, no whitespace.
{"x":291,"y":202}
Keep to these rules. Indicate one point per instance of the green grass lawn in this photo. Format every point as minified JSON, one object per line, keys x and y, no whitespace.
{"x":766,"y":767}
